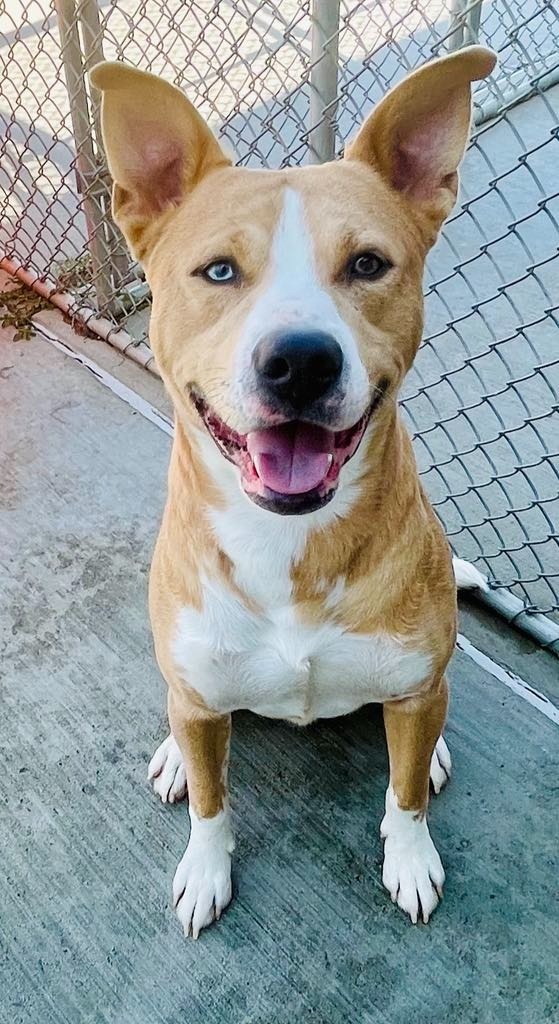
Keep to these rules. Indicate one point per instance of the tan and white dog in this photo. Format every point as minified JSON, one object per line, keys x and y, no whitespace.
{"x":300,"y":571}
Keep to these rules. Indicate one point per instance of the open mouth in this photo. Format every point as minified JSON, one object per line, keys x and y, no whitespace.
{"x":292,"y":468}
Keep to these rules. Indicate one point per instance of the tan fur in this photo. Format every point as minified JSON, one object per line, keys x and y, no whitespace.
{"x":204,"y":745}
{"x":180,"y":204}
{"x":413,"y":727}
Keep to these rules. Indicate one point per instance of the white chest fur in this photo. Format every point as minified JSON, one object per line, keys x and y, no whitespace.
{"x":271,"y":662}
{"x":277,"y":666}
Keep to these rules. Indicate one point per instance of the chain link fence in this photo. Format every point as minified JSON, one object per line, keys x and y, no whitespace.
{"x":288,"y":83}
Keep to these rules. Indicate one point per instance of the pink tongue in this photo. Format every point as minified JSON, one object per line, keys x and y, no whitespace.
{"x":293,"y":458}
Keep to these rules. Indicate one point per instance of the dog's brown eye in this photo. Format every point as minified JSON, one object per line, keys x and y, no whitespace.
{"x":368,"y":266}
{"x":219,"y":272}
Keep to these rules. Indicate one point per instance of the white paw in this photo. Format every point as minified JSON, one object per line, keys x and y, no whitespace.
{"x":202,"y":882}
{"x":166,"y":771}
{"x":467,"y":576}
{"x":412,"y":870}
{"x":441,"y":765}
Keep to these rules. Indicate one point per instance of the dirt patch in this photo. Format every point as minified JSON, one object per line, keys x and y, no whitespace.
{"x":20,"y":304}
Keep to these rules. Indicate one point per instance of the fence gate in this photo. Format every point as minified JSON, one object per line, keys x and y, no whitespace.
{"x":284,"y":83}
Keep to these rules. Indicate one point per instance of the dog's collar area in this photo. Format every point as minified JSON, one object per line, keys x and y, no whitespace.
{"x":292,"y":468}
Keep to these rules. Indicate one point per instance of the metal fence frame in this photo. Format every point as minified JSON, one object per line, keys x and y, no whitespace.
{"x":118,"y":283}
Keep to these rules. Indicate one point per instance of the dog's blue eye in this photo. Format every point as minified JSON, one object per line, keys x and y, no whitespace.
{"x":368,"y":266}
{"x":220,"y":272}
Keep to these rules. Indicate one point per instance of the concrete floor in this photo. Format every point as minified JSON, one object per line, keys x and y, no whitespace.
{"x":87,"y":853}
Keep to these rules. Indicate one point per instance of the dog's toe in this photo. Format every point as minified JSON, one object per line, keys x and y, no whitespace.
{"x":167,"y":773}
{"x":441,"y":765}
{"x":412,"y":870}
{"x":201,"y":887}
{"x":414,"y":878}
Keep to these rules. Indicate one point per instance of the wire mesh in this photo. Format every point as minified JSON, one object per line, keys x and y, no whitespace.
{"x":481,"y":401}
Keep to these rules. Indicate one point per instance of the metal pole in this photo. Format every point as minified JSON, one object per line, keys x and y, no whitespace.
{"x":80,"y":314}
{"x":92,"y":41}
{"x":325,"y":17}
{"x":455,"y":38}
{"x":86,"y":167}
{"x":539,"y":627}
{"x":471,"y":28}
{"x":87,"y":14}
{"x":513,"y":91}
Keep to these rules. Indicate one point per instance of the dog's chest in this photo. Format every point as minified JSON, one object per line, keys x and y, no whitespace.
{"x":272,"y":663}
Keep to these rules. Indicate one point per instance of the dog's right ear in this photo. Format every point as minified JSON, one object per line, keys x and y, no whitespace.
{"x":157,"y":145}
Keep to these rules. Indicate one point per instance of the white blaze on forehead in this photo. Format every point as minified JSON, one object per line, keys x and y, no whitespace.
{"x":293,"y":293}
{"x":293,"y":263}
{"x":292,"y":296}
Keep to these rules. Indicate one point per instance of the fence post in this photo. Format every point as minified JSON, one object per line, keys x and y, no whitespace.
{"x":473,"y":21}
{"x":325,"y":19}
{"x":465,"y":19}
{"x":86,"y":166}
{"x":455,"y":37}
{"x":92,"y":38}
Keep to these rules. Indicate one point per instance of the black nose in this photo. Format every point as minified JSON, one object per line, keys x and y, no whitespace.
{"x":298,"y":366}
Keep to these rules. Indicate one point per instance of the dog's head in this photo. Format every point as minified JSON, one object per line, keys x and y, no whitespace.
{"x":287,"y":305}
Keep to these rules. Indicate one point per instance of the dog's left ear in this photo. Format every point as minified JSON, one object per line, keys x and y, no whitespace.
{"x":417,"y":134}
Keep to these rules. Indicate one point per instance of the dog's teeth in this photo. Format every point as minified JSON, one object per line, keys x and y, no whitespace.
{"x":330,"y":460}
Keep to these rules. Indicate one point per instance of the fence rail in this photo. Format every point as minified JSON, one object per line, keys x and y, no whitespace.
{"x":284,"y":83}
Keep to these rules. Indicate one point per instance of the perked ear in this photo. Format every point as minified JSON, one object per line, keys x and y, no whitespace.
{"x":417,"y":134}
{"x":157,"y":145}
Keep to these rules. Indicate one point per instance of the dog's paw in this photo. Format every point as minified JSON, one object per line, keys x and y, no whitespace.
{"x":202,"y":882}
{"x":441,"y":765}
{"x":412,"y":870}
{"x":166,"y":772}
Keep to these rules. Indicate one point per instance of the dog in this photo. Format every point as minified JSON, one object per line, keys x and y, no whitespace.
{"x":300,"y":571}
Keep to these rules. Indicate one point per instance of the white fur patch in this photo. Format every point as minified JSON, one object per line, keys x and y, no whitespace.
{"x":167,"y":773}
{"x":412,"y":870}
{"x":202,"y":882}
{"x":467,"y":576}
{"x":271,"y":663}
{"x":441,"y":765}
{"x":264,"y":546}
{"x":293,"y":296}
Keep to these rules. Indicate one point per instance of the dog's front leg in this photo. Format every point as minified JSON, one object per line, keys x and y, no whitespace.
{"x":412,"y":871}
{"x":202,"y":882}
